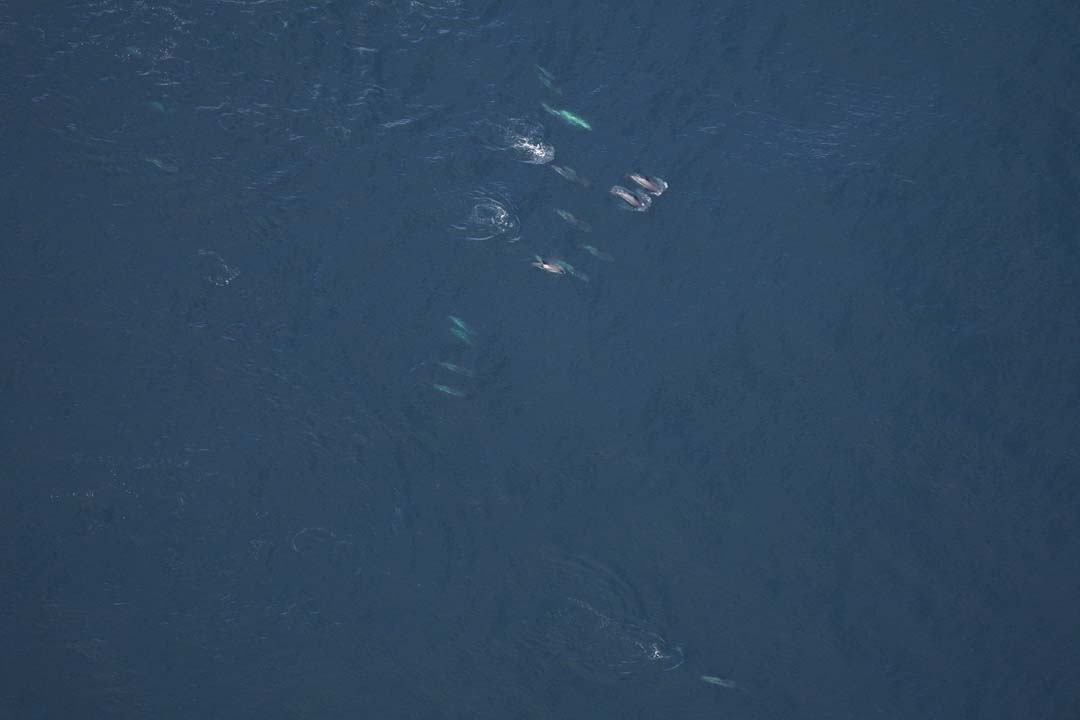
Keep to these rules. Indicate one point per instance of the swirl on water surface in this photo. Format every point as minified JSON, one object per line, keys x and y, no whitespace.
{"x":602,"y":647}
{"x":593,"y":623}
{"x":487,"y":216}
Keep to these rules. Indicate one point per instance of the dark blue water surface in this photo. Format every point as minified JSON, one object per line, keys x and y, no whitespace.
{"x":807,"y":426}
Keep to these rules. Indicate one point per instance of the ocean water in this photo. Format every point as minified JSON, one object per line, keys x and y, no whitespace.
{"x":316,"y":405}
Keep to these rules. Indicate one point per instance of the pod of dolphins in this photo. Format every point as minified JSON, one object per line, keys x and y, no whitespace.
{"x":638,"y":198}
{"x":641,"y":197}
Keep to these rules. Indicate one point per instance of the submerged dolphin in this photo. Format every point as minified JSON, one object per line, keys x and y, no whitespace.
{"x":568,"y":117}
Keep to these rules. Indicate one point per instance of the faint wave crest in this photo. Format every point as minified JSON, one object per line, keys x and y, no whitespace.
{"x":308,"y":88}
{"x":841,"y":125}
{"x":419,"y":21}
